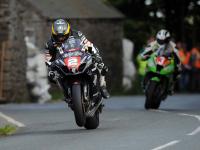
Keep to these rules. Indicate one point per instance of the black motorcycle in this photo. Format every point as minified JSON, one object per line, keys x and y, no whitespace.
{"x":78,"y":76}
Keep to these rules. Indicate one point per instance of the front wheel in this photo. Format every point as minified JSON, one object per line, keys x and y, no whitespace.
{"x":78,"y":105}
{"x":92,"y":122}
{"x":152,"y":95}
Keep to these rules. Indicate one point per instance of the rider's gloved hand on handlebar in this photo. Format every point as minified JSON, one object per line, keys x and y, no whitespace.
{"x":51,"y":74}
{"x":52,"y":77}
{"x":146,"y":57}
{"x":100,"y":65}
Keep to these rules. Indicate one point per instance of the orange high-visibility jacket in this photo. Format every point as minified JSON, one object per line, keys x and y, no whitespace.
{"x":195,"y":55}
{"x":184,"y":56}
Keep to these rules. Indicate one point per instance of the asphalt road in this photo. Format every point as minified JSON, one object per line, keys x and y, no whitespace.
{"x":124,"y":125}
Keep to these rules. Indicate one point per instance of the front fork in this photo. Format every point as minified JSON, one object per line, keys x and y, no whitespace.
{"x":65,"y":89}
{"x":86,"y":92}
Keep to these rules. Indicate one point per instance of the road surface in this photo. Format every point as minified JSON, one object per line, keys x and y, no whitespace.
{"x":124,"y":125}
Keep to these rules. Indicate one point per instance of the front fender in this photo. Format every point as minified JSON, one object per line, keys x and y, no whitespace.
{"x":155,"y":79}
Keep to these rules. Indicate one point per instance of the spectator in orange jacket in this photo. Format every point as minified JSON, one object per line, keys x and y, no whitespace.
{"x":184,"y":57}
{"x":194,"y":61}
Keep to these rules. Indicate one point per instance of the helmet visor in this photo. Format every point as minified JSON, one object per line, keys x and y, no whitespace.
{"x":60,"y":28}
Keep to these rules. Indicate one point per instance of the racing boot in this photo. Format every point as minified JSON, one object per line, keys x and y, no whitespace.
{"x":171,"y":89}
{"x":104,"y":92}
{"x":176,"y":76}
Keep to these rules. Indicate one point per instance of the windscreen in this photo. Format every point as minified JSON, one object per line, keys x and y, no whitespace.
{"x":72,"y":44}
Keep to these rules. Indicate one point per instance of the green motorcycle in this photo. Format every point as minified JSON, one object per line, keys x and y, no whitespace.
{"x":158,"y":79}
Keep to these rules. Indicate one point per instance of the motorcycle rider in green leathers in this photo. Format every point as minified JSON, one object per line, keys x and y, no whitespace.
{"x":168,"y":47}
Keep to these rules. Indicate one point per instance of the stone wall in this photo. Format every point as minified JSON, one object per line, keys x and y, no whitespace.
{"x":14,"y":76}
{"x":15,"y":18}
{"x":37,"y":24}
{"x":3,"y":37}
{"x":4,"y":20}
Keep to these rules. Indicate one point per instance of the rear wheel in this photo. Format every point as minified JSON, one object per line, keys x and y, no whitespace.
{"x":77,"y":105}
{"x":152,"y":96}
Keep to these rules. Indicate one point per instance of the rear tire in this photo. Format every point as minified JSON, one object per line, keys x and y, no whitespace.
{"x":92,"y":122}
{"x":77,"y":105}
{"x":152,"y":96}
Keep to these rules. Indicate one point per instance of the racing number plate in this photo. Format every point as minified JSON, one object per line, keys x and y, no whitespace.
{"x":160,"y":60}
{"x":73,"y":62}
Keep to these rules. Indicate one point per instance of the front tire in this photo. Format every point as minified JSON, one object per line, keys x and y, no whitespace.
{"x":92,"y":122}
{"x":152,"y":96}
{"x":77,"y":105}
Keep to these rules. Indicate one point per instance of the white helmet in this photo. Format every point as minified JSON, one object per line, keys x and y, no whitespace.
{"x":163,"y":36}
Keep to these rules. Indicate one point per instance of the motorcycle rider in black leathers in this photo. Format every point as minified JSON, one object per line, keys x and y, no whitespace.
{"x":61,"y":31}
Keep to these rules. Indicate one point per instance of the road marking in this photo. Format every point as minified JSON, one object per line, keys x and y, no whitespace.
{"x":194,"y":132}
{"x":11,"y":120}
{"x":166,"y":145}
{"x":197,"y":130}
{"x":158,"y":110}
{"x":190,"y":115}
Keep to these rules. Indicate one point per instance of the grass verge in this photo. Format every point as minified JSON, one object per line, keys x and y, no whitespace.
{"x":7,"y":130}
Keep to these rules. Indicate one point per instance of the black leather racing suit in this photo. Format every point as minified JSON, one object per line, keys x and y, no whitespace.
{"x":51,"y":52}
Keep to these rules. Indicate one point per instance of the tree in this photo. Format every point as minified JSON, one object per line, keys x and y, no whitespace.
{"x":146,"y":17}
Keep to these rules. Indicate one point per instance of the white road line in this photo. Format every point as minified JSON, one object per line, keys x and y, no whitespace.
{"x":158,"y":110}
{"x":167,"y":145}
{"x":194,"y":132}
{"x":197,"y":130}
{"x":190,"y":115}
{"x":11,"y":120}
